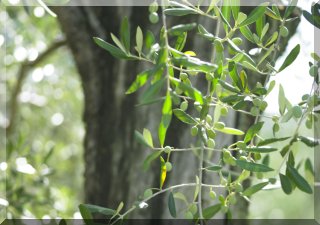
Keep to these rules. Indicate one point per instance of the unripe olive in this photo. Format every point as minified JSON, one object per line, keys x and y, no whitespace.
{"x":256,"y":102}
{"x":153,"y":7}
{"x":211,"y":143}
{"x":237,"y":41}
{"x":168,"y":166}
{"x":263,"y":105}
{"x":211,"y":133}
{"x":218,"y":45}
{"x":257,"y":156}
{"x":194,"y":131}
{"x":213,"y":195}
{"x":238,"y":187}
{"x":224,"y":111}
{"x":219,"y":125}
{"x":243,"y":158}
{"x":221,"y":197}
{"x":167,"y":149}
{"x":284,"y":31}
{"x":226,"y":155}
{"x":184,"y":105}
{"x":153,"y":17}
{"x":178,"y":91}
{"x":183,"y":76}
{"x":313,"y":71}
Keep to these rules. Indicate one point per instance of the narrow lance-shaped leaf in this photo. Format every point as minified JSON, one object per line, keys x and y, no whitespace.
{"x":210,"y":211}
{"x":184,"y":117}
{"x":114,"y":51}
{"x":172,"y":205}
{"x":179,"y":11}
{"x":252,"y":131}
{"x":166,"y":118}
{"x":253,"y":167}
{"x":285,"y":184}
{"x":290,"y":58}
{"x":139,"y":40}
{"x":301,"y":183}
{"x":140,"y":80}
{"x":140,"y":138}
{"x":125,"y":33}
{"x":255,"y":14}
{"x":232,"y":131}
{"x":272,"y":140}
{"x":309,"y":141}
{"x":265,"y":149}
{"x":254,"y":189}
{"x":163,"y":172}
{"x":178,"y":29}
{"x":148,"y":137}
{"x":150,"y":158}
{"x":152,"y":91}
{"x":290,"y":8}
{"x":281,"y":100}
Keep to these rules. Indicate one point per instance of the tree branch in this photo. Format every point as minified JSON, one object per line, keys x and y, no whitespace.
{"x":22,"y":73}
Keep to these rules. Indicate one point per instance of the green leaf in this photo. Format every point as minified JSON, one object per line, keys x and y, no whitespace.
{"x":140,"y":138}
{"x":88,"y":209}
{"x":139,"y":39}
{"x":184,"y":117}
{"x":290,"y":8}
{"x":235,"y":8}
{"x":265,"y":149}
{"x":125,"y":33}
{"x":309,"y":141}
{"x":204,"y":33}
{"x":255,"y":14}
{"x":181,"y":41}
{"x":254,"y":189}
{"x":85,"y":212}
{"x":172,"y":206}
{"x":224,"y":20}
{"x":252,"y":131}
{"x":214,"y":168}
{"x":195,"y":63}
{"x":285,"y":184}
{"x":150,"y":39}
{"x":210,"y":211}
{"x":150,"y":158}
{"x":226,"y":12}
{"x":272,"y":140}
{"x":272,"y":14}
{"x":266,"y":54}
{"x":249,"y":66}
{"x":117,"y":42}
{"x":140,"y":80}
{"x":232,"y":131}
{"x":229,"y":87}
{"x":166,"y":118}
{"x":272,"y":39}
{"x":253,"y":167}
{"x":281,"y":100}
{"x":114,"y":51}
{"x":152,"y":91}
{"x":178,"y":29}
{"x":290,"y":58}
{"x":188,"y":90}
{"x":179,"y":11}
{"x":301,"y":183}
{"x":163,"y":173}
{"x":148,"y":137}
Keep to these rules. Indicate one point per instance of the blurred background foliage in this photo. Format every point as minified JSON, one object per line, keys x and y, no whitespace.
{"x":43,"y":161}
{"x":42,"y":170}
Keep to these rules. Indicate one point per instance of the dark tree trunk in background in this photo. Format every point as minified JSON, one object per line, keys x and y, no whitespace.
{"x":113,"y":159}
